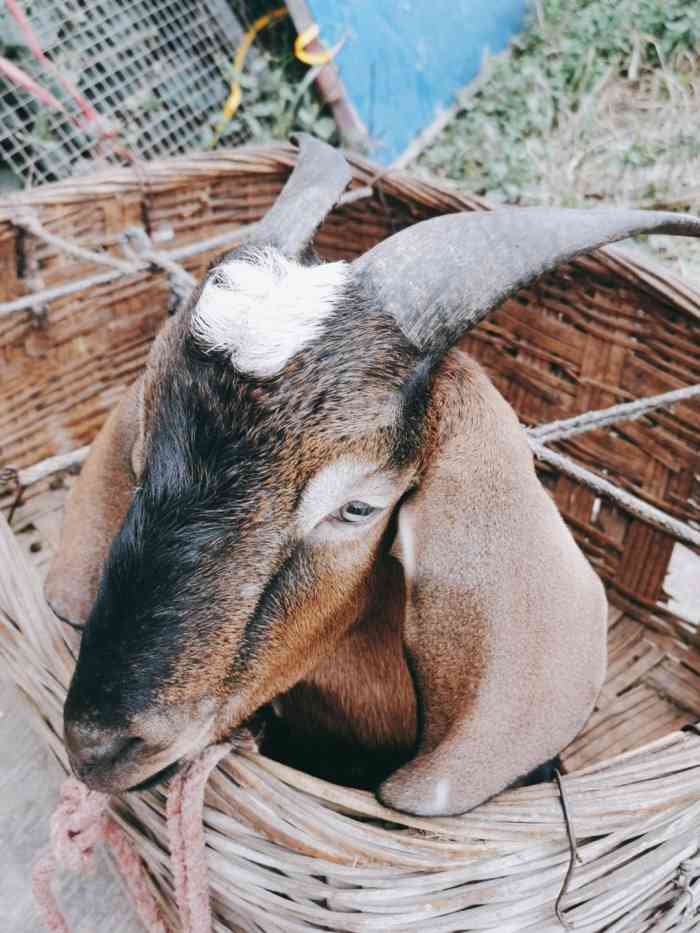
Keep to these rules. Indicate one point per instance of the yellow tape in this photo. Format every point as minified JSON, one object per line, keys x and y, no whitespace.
{"x":233,"y":100}
{"x":305,"y":37}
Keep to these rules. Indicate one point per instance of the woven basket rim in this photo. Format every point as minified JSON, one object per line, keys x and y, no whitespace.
{"x":161,"y":174}
{"x":519,"y":838}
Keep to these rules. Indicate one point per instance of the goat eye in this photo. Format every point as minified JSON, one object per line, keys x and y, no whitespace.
{"x":356,"y":511}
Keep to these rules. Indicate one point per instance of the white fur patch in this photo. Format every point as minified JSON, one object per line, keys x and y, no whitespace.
{"x":405,"y":544}
{"x":442,"y":794}
{"x":338,"y":482}
{"x":262,"y":311}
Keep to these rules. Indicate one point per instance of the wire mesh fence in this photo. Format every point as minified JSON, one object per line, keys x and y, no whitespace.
{"x":155,"y":70}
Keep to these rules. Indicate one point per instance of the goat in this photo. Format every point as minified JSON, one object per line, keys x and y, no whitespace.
{"x":314,"y":501}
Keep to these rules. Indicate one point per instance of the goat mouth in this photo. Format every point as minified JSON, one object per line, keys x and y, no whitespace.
{"x":182,"y":754}
{"x":163,"y":775}
{"x":152,"y":770}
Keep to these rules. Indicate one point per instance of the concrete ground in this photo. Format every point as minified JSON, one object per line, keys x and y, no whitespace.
{"x":29,"y":782}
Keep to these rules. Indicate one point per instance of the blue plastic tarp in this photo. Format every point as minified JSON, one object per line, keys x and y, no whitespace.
{"x":403,"y":60}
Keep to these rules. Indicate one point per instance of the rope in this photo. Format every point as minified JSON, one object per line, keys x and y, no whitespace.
{"x":603,"y":417}
{"x":162,"y":258}
{"x":136,"y":241}
{"x":136,"y":244}
{"x":187,"y":845}
{"x":28,"y":220}
{"x":673,"y":526}
{"x":81,"y":821}
{"x":45,"y":295}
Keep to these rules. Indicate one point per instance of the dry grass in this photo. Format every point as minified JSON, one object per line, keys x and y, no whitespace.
{"x":597,"y":103}
{"x":633,"y":142}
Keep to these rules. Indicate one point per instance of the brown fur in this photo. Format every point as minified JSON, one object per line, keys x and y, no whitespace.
{"x":499,"y":616}
{"x":454,"y":642}
{"x":353,"y":718}
{"x":94,"y":511}
{"x":505,"y":620}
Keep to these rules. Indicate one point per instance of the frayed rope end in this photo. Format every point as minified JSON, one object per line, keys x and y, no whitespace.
{"x":81,"y":821}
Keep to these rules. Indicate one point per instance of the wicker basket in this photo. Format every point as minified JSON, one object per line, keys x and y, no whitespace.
{"x":289,"y":852}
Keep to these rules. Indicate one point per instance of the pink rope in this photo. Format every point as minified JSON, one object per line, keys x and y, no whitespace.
{"x":81,"y":821}
{"x":186,"y":833}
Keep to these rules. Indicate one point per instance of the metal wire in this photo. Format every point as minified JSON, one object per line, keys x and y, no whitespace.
{"x":154,"y":68}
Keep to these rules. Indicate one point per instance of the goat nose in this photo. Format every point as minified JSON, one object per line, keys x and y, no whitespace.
{"x":94,"y":751}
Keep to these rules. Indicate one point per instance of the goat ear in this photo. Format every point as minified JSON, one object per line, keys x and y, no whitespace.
{"x":94,"y":512}
{"x":439,"y":278}
{"x":504,"y":625}
{"x":320,"y":176}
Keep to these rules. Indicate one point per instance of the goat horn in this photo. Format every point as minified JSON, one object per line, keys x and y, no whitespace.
{"x":320,"y":176}
{"x":439,"y":278}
